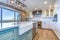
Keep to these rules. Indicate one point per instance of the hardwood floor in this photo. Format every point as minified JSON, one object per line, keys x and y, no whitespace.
{"x":44,"y":34}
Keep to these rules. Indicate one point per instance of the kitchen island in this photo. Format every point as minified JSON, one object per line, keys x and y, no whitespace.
{"x":21,"y":32}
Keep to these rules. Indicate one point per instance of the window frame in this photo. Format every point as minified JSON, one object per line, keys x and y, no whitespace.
{"x":2,"y":13}
{"x":9,"y":21}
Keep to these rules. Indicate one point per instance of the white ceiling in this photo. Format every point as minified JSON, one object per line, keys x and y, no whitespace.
{"x":39,"y":4}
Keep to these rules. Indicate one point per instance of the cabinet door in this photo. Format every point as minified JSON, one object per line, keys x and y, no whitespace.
{"x":29,"y":35}
{"x":15,"y":34}
{"x":24,"y":38}
{"x":47,"y":12}
{"x":15,"y":31}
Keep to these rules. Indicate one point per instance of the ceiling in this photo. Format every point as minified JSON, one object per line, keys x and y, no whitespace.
{"x":38,"y":4}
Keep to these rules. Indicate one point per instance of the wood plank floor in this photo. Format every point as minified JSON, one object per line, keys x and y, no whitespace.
{"x":45,"y":35}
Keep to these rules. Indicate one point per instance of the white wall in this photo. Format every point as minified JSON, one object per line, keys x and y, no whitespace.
{"x":57,"y":9}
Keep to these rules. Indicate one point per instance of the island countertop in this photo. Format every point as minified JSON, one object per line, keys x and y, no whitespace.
{"x":24,"y":27}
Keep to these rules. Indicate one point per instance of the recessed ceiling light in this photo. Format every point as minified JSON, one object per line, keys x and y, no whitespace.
{"x":50,"y":6}
{"x":12,"y":2}
{"x":45,"y":2}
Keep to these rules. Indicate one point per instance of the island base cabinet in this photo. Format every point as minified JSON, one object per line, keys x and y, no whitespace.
{"x":27,"y":35}
{"x":12,"y":34}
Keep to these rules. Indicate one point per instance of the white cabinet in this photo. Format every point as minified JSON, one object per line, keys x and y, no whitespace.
{"x":48,"y":13}
{"x":27,"y":35}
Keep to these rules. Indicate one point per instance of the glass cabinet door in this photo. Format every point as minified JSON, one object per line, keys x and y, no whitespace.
{"x":51,"y":13}
{"x":47,"y":12}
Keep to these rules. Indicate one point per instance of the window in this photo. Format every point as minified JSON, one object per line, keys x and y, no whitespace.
{"x":17,"y":17}
{"x":7,"y":18}
{"x":0,"y":18}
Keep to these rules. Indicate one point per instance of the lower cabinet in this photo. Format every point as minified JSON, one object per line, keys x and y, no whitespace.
{"x":27,"y":35}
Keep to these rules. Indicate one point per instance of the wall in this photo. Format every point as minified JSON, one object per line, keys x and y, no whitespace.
{"x":57,"y":9}
{"x":24,"y":16}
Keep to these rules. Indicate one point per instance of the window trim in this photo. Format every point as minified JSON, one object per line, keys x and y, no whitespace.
{"x":8,"y":21}
{"x":1,"y":18}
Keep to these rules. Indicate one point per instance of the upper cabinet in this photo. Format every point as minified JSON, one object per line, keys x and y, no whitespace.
{"x":48,"y":13}
{"x":12,"y":2}
{"x":37,"y":13}
{"x":51,"y":14}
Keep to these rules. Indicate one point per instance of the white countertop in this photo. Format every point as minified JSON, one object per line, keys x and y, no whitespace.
{"x":24,"y":27}
{"x":24,"y":24}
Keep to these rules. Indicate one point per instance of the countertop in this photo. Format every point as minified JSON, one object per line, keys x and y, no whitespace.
{"x":25,"y":26}
{"x":22,"y":26}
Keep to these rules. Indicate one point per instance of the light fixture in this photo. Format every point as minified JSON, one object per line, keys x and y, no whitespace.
{"x":45,"y":2}
{"x":12,"y":1}
{"x":50,"y":6}
{"x":37,"y":12}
